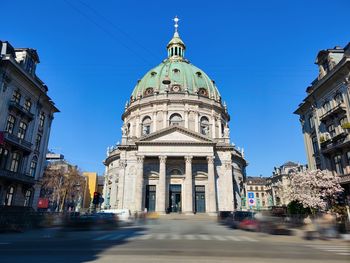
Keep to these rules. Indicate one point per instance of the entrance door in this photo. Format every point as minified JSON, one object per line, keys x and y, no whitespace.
{"x":200,"y":199}
{"x":151,"y":198}
{"x":174,"y":198}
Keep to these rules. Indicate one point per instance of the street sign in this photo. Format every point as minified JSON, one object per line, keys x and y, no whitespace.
{"x":251,"y":201}
{"x":250,"y":194}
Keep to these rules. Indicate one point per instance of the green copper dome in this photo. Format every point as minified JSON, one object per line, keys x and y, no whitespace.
{"x":176,"y":74}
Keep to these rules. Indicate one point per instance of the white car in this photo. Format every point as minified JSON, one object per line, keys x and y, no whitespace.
{"x":124,"y":215}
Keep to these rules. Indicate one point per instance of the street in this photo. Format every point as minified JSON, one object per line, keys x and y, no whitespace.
{"x":178,"y":239}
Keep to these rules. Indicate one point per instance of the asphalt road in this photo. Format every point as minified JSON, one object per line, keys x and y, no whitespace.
{"x":167,"y":240}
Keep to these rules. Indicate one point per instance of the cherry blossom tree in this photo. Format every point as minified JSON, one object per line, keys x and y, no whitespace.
{"x":317,"y":190}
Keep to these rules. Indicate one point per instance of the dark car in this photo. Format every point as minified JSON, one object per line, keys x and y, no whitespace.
{"x":239,"y":216}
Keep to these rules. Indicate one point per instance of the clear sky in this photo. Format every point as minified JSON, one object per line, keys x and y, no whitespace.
{"x":260,"y":53}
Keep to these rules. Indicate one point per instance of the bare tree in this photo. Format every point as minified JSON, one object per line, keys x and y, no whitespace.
{"x":63,"y":185}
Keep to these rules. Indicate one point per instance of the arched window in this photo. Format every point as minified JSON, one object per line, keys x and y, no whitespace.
{"x":175,"y":172}
{"x":33,"y":165}
{"x":175,"y":119}
{"x":146,"y":125}
{"x":204,"y":125}
{"x":9,"y":195}
{"x":27,"y":197}
{"x":203,"y":92}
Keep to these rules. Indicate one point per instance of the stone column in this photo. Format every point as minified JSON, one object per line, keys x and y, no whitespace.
{"x":196,"y":127}
{"x":213,"y":129}
{"x":139,"y":190}
{"x":165,"y":119}
{"x":211,"y":186}
{"x":186,"y":118}
{"x":138,"y":131}
{"x":161,"y":191}
{"x":220,"y":130}
{"x":188,"y":189}
{"x":121,"y":188}
{"x":154,"y":121}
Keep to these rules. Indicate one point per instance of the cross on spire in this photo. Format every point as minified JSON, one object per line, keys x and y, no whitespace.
{"x":176,"y":20}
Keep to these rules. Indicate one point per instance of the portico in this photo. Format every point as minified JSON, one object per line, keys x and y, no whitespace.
{"x":171,"y":155}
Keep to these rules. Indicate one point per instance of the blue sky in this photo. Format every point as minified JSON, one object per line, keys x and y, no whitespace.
{"x":260,"y":53}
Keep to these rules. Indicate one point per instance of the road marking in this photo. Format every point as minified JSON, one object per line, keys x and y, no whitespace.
{"x":117,"y":237}
{"x":190,"y":237}
{"x":175,"y":237}
{"x":248,"y":239}
{"x":339,"y":250}
{"x":221,"y":238}
{"x":204,"y":237}
{"x":104,"y":237}
{"x":161,"y":236}
{"x":145,"y":237}
{"x":233,"y":238}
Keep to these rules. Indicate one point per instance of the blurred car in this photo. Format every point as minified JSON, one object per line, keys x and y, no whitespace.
{"x":239,"y":216}
{"x":124,"y":215}
{"x":249,"y":224}
{"x":225,"y":217}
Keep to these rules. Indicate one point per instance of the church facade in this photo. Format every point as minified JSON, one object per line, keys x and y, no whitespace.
{"x":175,"y":154}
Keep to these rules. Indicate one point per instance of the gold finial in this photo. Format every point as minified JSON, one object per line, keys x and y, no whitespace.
{"x":176,"y":20}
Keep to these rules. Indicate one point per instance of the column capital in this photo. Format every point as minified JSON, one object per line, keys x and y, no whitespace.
{"x":188,"y":158}
{"x":122,"y":163}
{"x":162,"y":158}
{"x":210,"y":159}
{"x":140,"y":158}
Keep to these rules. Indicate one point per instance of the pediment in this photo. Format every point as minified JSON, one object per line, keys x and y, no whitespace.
{"x":175,"y":134}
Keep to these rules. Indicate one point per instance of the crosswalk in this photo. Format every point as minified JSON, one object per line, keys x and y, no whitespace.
{"x":343,"y":250}
{"x":168,"y":236}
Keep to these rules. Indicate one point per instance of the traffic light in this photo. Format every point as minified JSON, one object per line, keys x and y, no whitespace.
{"x":96,"y":199}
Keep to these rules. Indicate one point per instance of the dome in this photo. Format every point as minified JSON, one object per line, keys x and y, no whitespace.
{"x":184,"y":77}
{"x":176,"y":74}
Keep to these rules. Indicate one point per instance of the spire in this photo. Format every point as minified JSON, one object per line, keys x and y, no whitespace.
{"x":176,"y":47}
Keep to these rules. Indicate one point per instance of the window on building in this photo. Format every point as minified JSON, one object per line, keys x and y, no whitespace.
{"x":326,"y":106}
{"x":257,"y":195}
{"x":42,"y":120}
{"x":22,"y":129}
{"x":204,"y":126}
{"x":15,"y":162}
{"x":342,"y":121}
{"x":311,"y":122}
{"x":16,"y":97}
{"x":315,"y":144}
{"x":9,"y":195}
{"x":27,"y":197}
{"x":37,"y":142}
{"x":338,"y":164}
{"x":331,"y":130}
{"x":263,"y":203}
{"x":338,"y":98}
{"x":348,"y":157}
{"x":256,"y":188}
{"x":33,"y":166}
{"x":27,"y":104}
{"x":11,"y":121}
{"x":4,"y":154}
{"x":146,"y":125}
{"x":175,"y":119}
{"x":262,"y":194}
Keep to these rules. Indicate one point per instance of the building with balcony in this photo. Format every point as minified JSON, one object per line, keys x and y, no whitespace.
{"x":277,"y":186}
{"x":26,"y":114}
{"x":175,"y":154}
{"x":325,"y":115}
